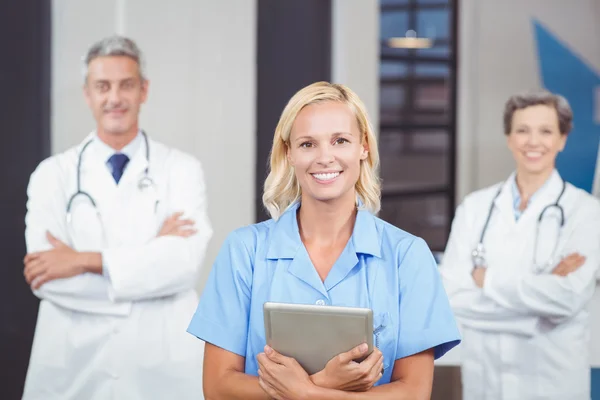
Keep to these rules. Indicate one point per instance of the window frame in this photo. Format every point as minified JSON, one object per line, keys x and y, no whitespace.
{"x":412,"y":58}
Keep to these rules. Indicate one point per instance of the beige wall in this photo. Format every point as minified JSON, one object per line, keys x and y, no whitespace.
{"x":355,"y":50}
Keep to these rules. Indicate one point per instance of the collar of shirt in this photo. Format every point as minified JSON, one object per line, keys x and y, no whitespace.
{"x":285,"y":239}
{"x":517,"y":195}
{"x":105,"y":151}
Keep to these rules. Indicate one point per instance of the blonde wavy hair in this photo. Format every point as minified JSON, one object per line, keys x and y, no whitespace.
{"x":281,"y":188}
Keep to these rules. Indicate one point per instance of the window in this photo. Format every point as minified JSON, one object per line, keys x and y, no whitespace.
{"x":417,"y":118}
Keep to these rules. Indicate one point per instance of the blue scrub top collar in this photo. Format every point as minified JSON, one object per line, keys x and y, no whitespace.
{"x":285,"y":234}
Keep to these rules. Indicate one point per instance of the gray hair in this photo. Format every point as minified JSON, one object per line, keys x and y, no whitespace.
{"x":536,"y":98}
{"x":114,"y":46}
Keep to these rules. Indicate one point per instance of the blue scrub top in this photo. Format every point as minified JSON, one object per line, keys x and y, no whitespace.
{"x":382,"y":268}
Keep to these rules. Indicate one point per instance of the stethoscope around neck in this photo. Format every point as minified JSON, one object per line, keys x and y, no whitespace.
{"x":144,"y":183}
{"x":478,"y":254}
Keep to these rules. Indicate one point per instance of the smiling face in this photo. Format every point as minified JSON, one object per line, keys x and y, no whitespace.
{"x":535,"y":139}
{"x":115,"y":92}
{"x":326,"y":148}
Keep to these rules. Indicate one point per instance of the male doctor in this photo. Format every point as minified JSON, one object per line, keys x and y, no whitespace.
{"x":116,"y":230}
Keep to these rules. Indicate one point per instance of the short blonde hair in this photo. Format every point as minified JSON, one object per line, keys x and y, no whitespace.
{"x":281,"y":188}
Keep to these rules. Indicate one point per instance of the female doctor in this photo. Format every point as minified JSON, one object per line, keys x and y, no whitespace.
{"x":323,"y":246}
{"x":520,"y":267}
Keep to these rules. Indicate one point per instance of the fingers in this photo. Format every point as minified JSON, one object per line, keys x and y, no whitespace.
{"x":31,"y":275}
{"x":33,"y":269}
{"x":175,"y":215}
{"x":30,"y":257}
{"x":171,"y":225}
{"x":185,"y":233}
{"x":567,"y":261}
{"x":54,"y":241}
{"x":266,"y":367}
{"x":569,"y":264}
{"x":275,"y":356}
{"x":368,"y":372}
{"x":575,"y":262}
{"x":182,"y":232}
{"x":355,"y":353}
{"x":175,"y":220}
{"x":270,"y":361}
{"x":265,"y":362}
{"x":572,"y":255}
{"x":175,"y":226}
{"x":377,"y":371}
{"x":368,"y":380}
{"x":40,"y":280}
{"x":575,"y":258}
{"x":370,"y":362}
{"x":181,"y":222}
{"x":183,"y":228}
{"x":560,"y":268}
{"x":560,"y":271}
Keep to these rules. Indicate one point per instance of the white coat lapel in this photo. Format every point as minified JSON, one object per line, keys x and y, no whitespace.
{"x":504,"y":205}
{"x":87,"y":229}
{"x":546,"y":196}
{"x":510,"y":238}
{"x":139,"y":205}
{"x":136,"y":168}
{"x":548,"y":193}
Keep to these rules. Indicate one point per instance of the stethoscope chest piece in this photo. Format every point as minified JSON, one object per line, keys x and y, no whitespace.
{"x":145,"y":183}
{"x":478,"y":256}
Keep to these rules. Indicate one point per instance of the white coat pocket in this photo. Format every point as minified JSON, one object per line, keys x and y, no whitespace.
{"x":144,"y":215}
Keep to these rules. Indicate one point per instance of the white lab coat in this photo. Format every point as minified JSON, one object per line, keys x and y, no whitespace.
{"x":525,"y":334}
{"x":123,"y":337}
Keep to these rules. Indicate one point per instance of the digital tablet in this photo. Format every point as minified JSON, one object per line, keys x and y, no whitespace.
{"x":314,"y":334}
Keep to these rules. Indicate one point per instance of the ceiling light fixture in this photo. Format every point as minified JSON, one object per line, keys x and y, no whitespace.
{"x":411,"y":41}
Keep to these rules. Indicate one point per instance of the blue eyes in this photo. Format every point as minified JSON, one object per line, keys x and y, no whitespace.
{"x":337,"y":141}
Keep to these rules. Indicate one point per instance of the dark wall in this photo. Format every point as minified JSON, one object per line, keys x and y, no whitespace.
{"x":24,"y":142}
{"x":294,"y":50}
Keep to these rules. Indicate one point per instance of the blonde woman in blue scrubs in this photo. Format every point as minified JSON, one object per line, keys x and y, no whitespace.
{"x":323,"y":245}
